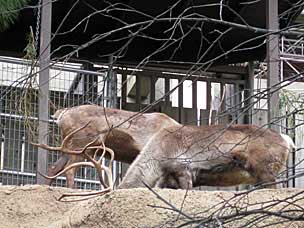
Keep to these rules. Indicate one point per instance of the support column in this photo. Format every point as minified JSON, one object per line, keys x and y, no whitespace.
{"x":111,"y":102}
{"x":44,"y":76}
{"x":111,"y":85}
{"x":273,"y":59}
{"x":248,"y":94}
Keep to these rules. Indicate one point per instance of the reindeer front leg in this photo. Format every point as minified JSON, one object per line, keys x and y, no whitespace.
{"x":142,"y":171}
{"x":70,"y":175}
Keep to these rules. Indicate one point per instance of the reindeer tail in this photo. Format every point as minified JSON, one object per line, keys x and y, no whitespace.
{"x":289,"y":141}
{"x":58,"y":113}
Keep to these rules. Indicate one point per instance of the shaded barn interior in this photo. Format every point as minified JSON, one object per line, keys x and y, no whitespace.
{"x":238,"y":25}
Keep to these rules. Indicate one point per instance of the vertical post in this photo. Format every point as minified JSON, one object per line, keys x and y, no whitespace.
{"x":138,"y":92}
{"x":152,"y":88}
{"x":209,"y":100}
{"x":90,"y":93}
{"x":111,"y":95}
{"x":44,"y":75}
{"x":208,"y":95}
{"x":167,"y":89}
{"x":248,"y":94}
{"x":123,"y":89}
{"x":194,"y":94}
{"x":273,"y":57}
{"x":111,"y":86}
{"x":180,"y":101}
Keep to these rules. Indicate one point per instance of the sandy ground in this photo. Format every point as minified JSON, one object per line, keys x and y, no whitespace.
{"x":36,"y":206}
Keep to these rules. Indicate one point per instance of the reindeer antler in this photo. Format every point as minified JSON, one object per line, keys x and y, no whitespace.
{"x":92,"y":162}
{"x":63,"y":148}
{"x":99,"y":167}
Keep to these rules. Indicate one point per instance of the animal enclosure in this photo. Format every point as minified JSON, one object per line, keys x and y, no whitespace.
{"x":201,"y":99}
{"x":71,"y":85}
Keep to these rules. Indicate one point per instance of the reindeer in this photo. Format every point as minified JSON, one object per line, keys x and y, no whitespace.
{"x":125,"y":132}
{"x":191,"y":156}
{"x":173,"y":155}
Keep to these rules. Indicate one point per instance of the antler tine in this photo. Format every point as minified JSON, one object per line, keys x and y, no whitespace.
{"x":98,"y":165}
{"x":74,"y":165}
{"x":89,"y":195}
{"x":105,"y":149}
{"x":91,"y":162}
{"x":62,"y":147}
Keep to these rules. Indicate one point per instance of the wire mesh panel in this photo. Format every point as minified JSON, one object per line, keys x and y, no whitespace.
{"x":69,"y":86}
{"x":17,"y":156}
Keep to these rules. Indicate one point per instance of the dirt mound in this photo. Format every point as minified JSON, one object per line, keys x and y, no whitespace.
{"x":36,"y":206}
{"x":31,"y":206}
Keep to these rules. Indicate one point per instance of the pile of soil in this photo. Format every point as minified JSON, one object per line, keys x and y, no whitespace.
{"x":36,"y":206}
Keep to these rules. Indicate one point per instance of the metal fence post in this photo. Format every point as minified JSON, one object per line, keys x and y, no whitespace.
{"x":43,"y":110}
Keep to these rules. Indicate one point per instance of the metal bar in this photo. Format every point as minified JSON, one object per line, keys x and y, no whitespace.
{"x":273,"y":59}
{"x":22,"y":153}
{"x":293,"y":58}
{"x":185,"y":70}
{"x":53,"y":65}
{"x":44,"y":75}
{"x":2,"y":151}
{"x":59,"y":178}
